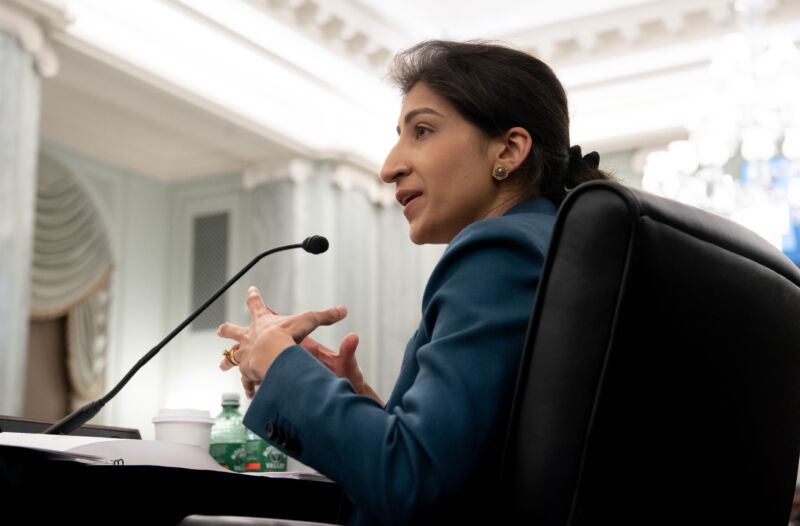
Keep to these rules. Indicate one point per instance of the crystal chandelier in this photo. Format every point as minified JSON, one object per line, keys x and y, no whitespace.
{"x":746,"y":121}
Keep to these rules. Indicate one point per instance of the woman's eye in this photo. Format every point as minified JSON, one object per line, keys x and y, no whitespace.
{"x":420,"y":132}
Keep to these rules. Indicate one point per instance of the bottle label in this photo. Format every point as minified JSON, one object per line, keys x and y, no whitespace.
{"x":261,"y":456}
{"x":230,"y":455}
{"x":273,"y":459}
{"x":254,"y":452}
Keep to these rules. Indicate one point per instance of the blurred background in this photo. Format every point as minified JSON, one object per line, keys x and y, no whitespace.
{"x":151,"y":148}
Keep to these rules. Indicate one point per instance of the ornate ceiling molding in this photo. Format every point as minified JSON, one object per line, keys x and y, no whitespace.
{"x":369,"y":40}
{"x":646,"y":26}
{"x":257,"y":73}
{"x":353,"y":31}
{"x":30,"y":21}
{"x":631,"y":74}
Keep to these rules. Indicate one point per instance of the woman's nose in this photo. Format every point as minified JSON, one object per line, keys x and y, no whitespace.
{"x":393,"y":167}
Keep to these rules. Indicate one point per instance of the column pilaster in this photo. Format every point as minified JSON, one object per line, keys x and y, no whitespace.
{"x":25,"y":57}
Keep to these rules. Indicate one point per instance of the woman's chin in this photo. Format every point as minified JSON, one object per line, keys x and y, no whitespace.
{"x":418,"y":235}
{"x":416,"y":238}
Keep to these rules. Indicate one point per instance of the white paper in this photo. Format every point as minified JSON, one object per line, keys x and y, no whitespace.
{"x":120,"y":451}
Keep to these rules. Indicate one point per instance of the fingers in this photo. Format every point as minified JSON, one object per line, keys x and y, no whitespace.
{"x":225,"y":365}
{"x":231,"y":331}
{"x":229,"y":358}
{"x":316,"y":348}
{"x":347,"y":347}
{"x":255,"y":304}
{"x":327,"y":316}
{"x":249,"y":386}
{"x":312,"y":346}
{"x":304,"y":324}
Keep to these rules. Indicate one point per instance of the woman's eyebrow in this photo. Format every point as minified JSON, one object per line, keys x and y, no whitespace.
{"x":419,"y":111}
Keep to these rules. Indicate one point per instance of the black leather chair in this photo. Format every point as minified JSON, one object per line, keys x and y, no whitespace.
{"x":660,"y":382}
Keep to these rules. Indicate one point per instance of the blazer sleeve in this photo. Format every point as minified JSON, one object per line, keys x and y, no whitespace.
{"x":399,"y":463}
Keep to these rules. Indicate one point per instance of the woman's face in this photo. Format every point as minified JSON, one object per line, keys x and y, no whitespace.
{"x":441,"y":166}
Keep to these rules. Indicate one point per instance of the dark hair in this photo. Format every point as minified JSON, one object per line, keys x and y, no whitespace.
{"x":497,"y":88}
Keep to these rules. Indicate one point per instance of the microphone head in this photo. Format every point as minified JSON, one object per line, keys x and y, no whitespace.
{"x":315,"y":244}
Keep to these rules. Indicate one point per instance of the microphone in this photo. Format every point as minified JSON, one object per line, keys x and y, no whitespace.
{"x":315,"y":244}
{"x":312,"y":245}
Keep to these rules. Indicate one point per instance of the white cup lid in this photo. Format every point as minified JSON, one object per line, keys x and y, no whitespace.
{"x":183,"y":415}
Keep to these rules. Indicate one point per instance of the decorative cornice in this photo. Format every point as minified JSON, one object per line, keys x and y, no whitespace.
{"x":368,"y":40}
{"x":648,"y":25}
{"x":363,"y":36}
{"x":28,"y":21}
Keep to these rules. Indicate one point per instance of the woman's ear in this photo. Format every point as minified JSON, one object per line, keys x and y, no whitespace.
{"x":513,"y":148}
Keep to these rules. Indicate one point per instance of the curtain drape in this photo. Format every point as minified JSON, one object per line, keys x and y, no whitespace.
{"x":71,"y":275}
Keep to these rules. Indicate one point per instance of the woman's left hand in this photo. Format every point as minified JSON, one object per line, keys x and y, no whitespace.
{"x":268,"y":334}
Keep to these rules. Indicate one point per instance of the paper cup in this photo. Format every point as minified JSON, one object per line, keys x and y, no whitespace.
{"x":184,"y":426}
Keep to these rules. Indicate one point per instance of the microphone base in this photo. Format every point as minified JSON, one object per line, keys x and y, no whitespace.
{"x":27,"y":425}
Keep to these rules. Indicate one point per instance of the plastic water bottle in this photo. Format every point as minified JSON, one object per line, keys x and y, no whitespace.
{"x":262,"y":456}
{"x":229,"y":436}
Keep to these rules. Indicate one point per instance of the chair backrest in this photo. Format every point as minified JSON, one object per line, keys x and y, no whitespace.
{"x":660,"y":382}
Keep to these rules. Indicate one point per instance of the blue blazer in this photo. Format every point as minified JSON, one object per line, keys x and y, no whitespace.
{"x":435,"y":448}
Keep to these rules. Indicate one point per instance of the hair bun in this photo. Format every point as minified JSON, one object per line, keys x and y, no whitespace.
{"x":592,"y":159}
{"x":575,"y":155}
{"x":577,"y":159}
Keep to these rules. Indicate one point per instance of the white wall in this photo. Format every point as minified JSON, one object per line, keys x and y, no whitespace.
{"x":192,"y":378}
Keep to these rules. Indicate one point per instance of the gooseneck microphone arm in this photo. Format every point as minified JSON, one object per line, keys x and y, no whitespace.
{"x":313,"y":245}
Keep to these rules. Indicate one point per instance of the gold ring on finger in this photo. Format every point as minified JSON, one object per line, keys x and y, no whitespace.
{"x":230,"y":355}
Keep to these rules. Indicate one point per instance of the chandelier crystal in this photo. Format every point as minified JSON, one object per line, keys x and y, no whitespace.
{"x":746,"y":119}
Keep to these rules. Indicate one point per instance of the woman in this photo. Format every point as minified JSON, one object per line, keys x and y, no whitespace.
{"x":481,"y":163}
